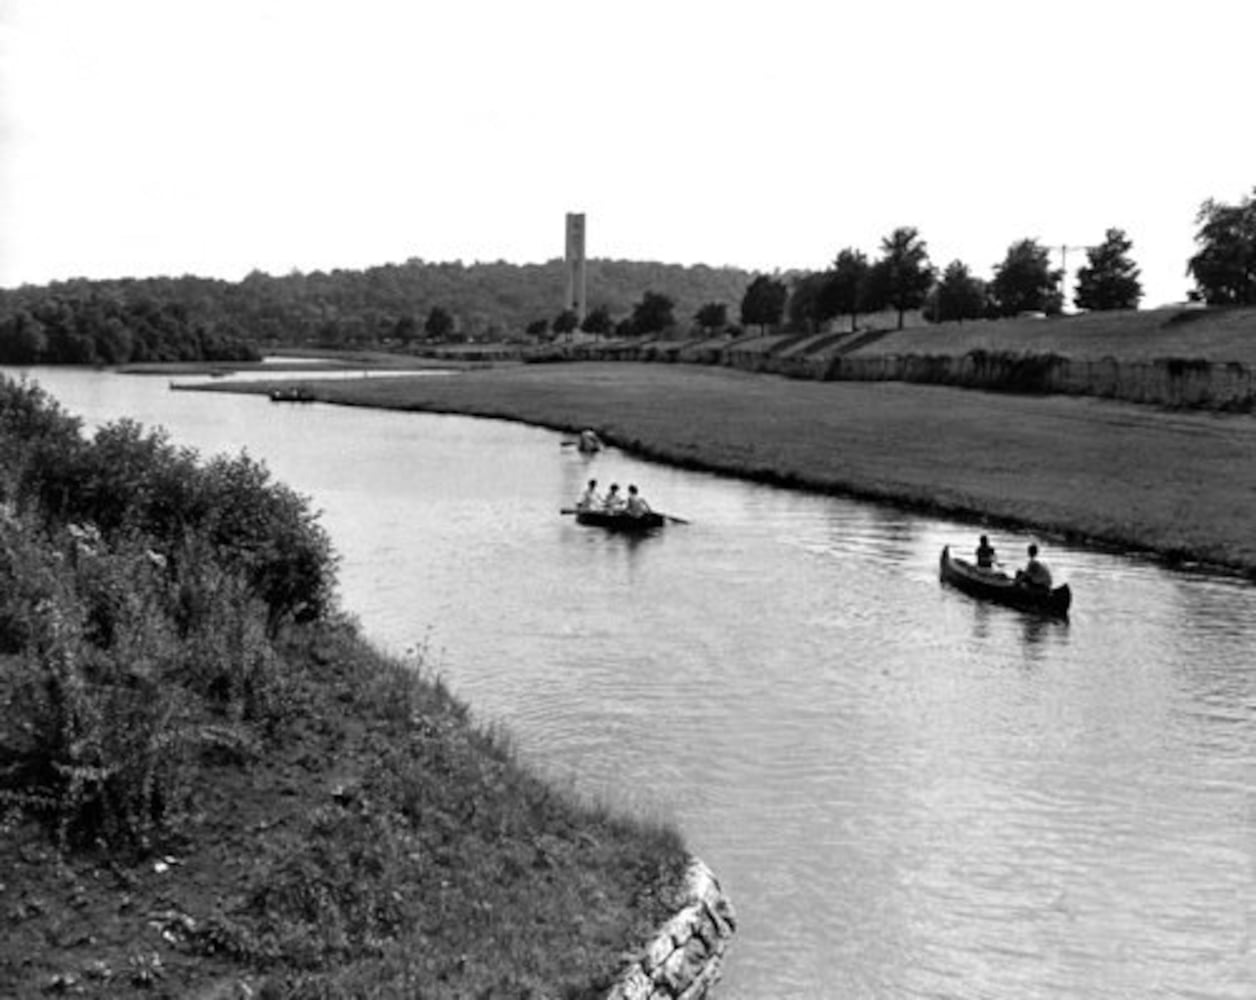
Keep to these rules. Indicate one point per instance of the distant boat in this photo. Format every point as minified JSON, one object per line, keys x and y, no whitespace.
{"x":997,"y":586}
{"x":296,"y":394}
{"x":588,"y":442}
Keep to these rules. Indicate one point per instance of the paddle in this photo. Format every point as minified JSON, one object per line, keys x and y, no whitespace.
{"x":569,"y":510}
{"x":569,"y":444}
{"x":675,"y":520}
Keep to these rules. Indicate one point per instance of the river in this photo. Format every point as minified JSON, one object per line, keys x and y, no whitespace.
{"x":907,"y":793}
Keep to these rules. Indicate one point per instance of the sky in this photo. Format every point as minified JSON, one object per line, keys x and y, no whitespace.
{"x":150,"y":137}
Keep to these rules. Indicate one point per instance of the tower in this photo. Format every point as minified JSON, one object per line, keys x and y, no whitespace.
{"x":575,"y":269}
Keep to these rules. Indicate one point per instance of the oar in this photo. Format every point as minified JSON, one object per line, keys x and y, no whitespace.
{"x":569,"y":510}
{"x":675,"y":520}
{"x":569,"y":444}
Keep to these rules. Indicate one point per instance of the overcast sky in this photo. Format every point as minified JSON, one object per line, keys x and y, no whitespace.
{"x":142,"y":137}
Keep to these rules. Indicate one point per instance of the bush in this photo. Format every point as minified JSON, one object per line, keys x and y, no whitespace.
{"x":139,"y":590}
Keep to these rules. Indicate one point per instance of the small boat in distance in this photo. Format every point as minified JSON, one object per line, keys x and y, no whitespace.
{"x":995,"y":585}
{"x":588,"y":443}
{"x":295,"y":394}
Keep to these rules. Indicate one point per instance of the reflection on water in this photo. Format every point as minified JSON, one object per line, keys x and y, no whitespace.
{"x":909,"y":793}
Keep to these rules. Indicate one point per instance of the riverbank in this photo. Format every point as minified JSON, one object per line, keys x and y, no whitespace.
{"x":211,"y":786}
{"x":1176,"y":485}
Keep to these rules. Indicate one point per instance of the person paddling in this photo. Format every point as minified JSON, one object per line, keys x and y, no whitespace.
{"x":985,"y":554}
{"x":1035,"y":573}
{"x":614,"y":500}
{"x":636,"y":506}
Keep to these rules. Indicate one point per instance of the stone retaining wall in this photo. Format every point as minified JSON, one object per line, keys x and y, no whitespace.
{"x":683,"y":960}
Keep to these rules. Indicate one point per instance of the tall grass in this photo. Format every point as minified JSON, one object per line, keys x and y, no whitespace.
{"x":139,"y":590}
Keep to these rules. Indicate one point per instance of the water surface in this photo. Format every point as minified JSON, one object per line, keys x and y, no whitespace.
{"x":907,"y":793}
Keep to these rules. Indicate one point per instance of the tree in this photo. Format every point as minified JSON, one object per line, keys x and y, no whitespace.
{"x":764,"y":302}
{"x":653,"y":314}
{"x":804,"y":298}
{"x":598,"y":321}
{"x":406,"y":329}
{"x":565,"y":322}
{"x":1224,"y":269}
{"x":538,"y":328}
{"x":439,"y":324}
{"x":847,"y":290}
{"x":1109,"y":280}
{"x":712,"y":316}
{"x":22,"y":340}
{"x":1024,"y":281}
{"x":958,"y":296}
{"x":903,"y":275}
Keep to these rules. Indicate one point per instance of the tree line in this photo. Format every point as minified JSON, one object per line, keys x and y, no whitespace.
{"x":192,"y":318}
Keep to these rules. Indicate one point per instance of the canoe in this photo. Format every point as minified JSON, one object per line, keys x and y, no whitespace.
{"x":997,"y":586}
{"x":618,"y":521}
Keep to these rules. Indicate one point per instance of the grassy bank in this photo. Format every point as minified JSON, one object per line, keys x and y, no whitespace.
{"x":1218,"y":335}
{"x":210,"y":786}
{"x":1179,"y":485}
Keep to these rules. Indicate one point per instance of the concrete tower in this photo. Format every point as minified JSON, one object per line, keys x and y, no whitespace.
{"x":576,"y":300}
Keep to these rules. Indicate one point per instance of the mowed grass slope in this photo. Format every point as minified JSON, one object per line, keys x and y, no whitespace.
{"x":1179,"y":484}
{"x":1219,"y":335}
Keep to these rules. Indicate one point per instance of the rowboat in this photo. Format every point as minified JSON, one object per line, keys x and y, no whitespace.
{"x":621,"y":521}
{"x":995,"y":585}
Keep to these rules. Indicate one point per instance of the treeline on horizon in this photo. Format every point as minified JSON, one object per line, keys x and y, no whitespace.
{"x":191,"y":318}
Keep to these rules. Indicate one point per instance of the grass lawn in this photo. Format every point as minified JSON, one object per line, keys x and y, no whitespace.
{"x":1179,"y":484}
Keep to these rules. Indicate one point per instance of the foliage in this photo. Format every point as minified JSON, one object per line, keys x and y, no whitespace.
{"x":439,"y":324}
{"x":803,"y":308}
{"x":763,"y":305}
{"x":958,"y":296}
{"x":902,"y":276}
{"x":87,"y":324}
{"x":1224,"y":268}
{"x":131,"y":575}
{"x":565,"y":322}
{"x":1109,"y":279}
{"x":598,"y":321}
{"x":99,"y":736}
{"x":353,"y":308}
{"x":711,"y":317}
{"x":848,"y":288}
{"x":653,"y":314}
{"x":1025,"y":282}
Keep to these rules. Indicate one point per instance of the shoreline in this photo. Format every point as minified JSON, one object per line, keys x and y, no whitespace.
{"x":1172,"y":486}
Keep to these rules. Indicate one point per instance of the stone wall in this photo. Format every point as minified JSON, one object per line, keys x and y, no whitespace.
{"x":683,"y":960}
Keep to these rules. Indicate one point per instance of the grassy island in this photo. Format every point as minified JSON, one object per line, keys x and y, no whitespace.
{"x":1175,"y":484}
{"x":212,"y":787}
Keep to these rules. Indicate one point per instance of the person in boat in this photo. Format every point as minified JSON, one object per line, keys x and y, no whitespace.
{"x":590,"y":499}
{"x":636,"y":505}
{"x":589,"y":441}
{"x":985,"y":554}
{"x":614,"y":502}
{"x":1035,"y":574}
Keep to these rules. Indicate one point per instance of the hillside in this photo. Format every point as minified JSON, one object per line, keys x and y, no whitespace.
{"x":338,"y":308}
{"x":1220,"y":335}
